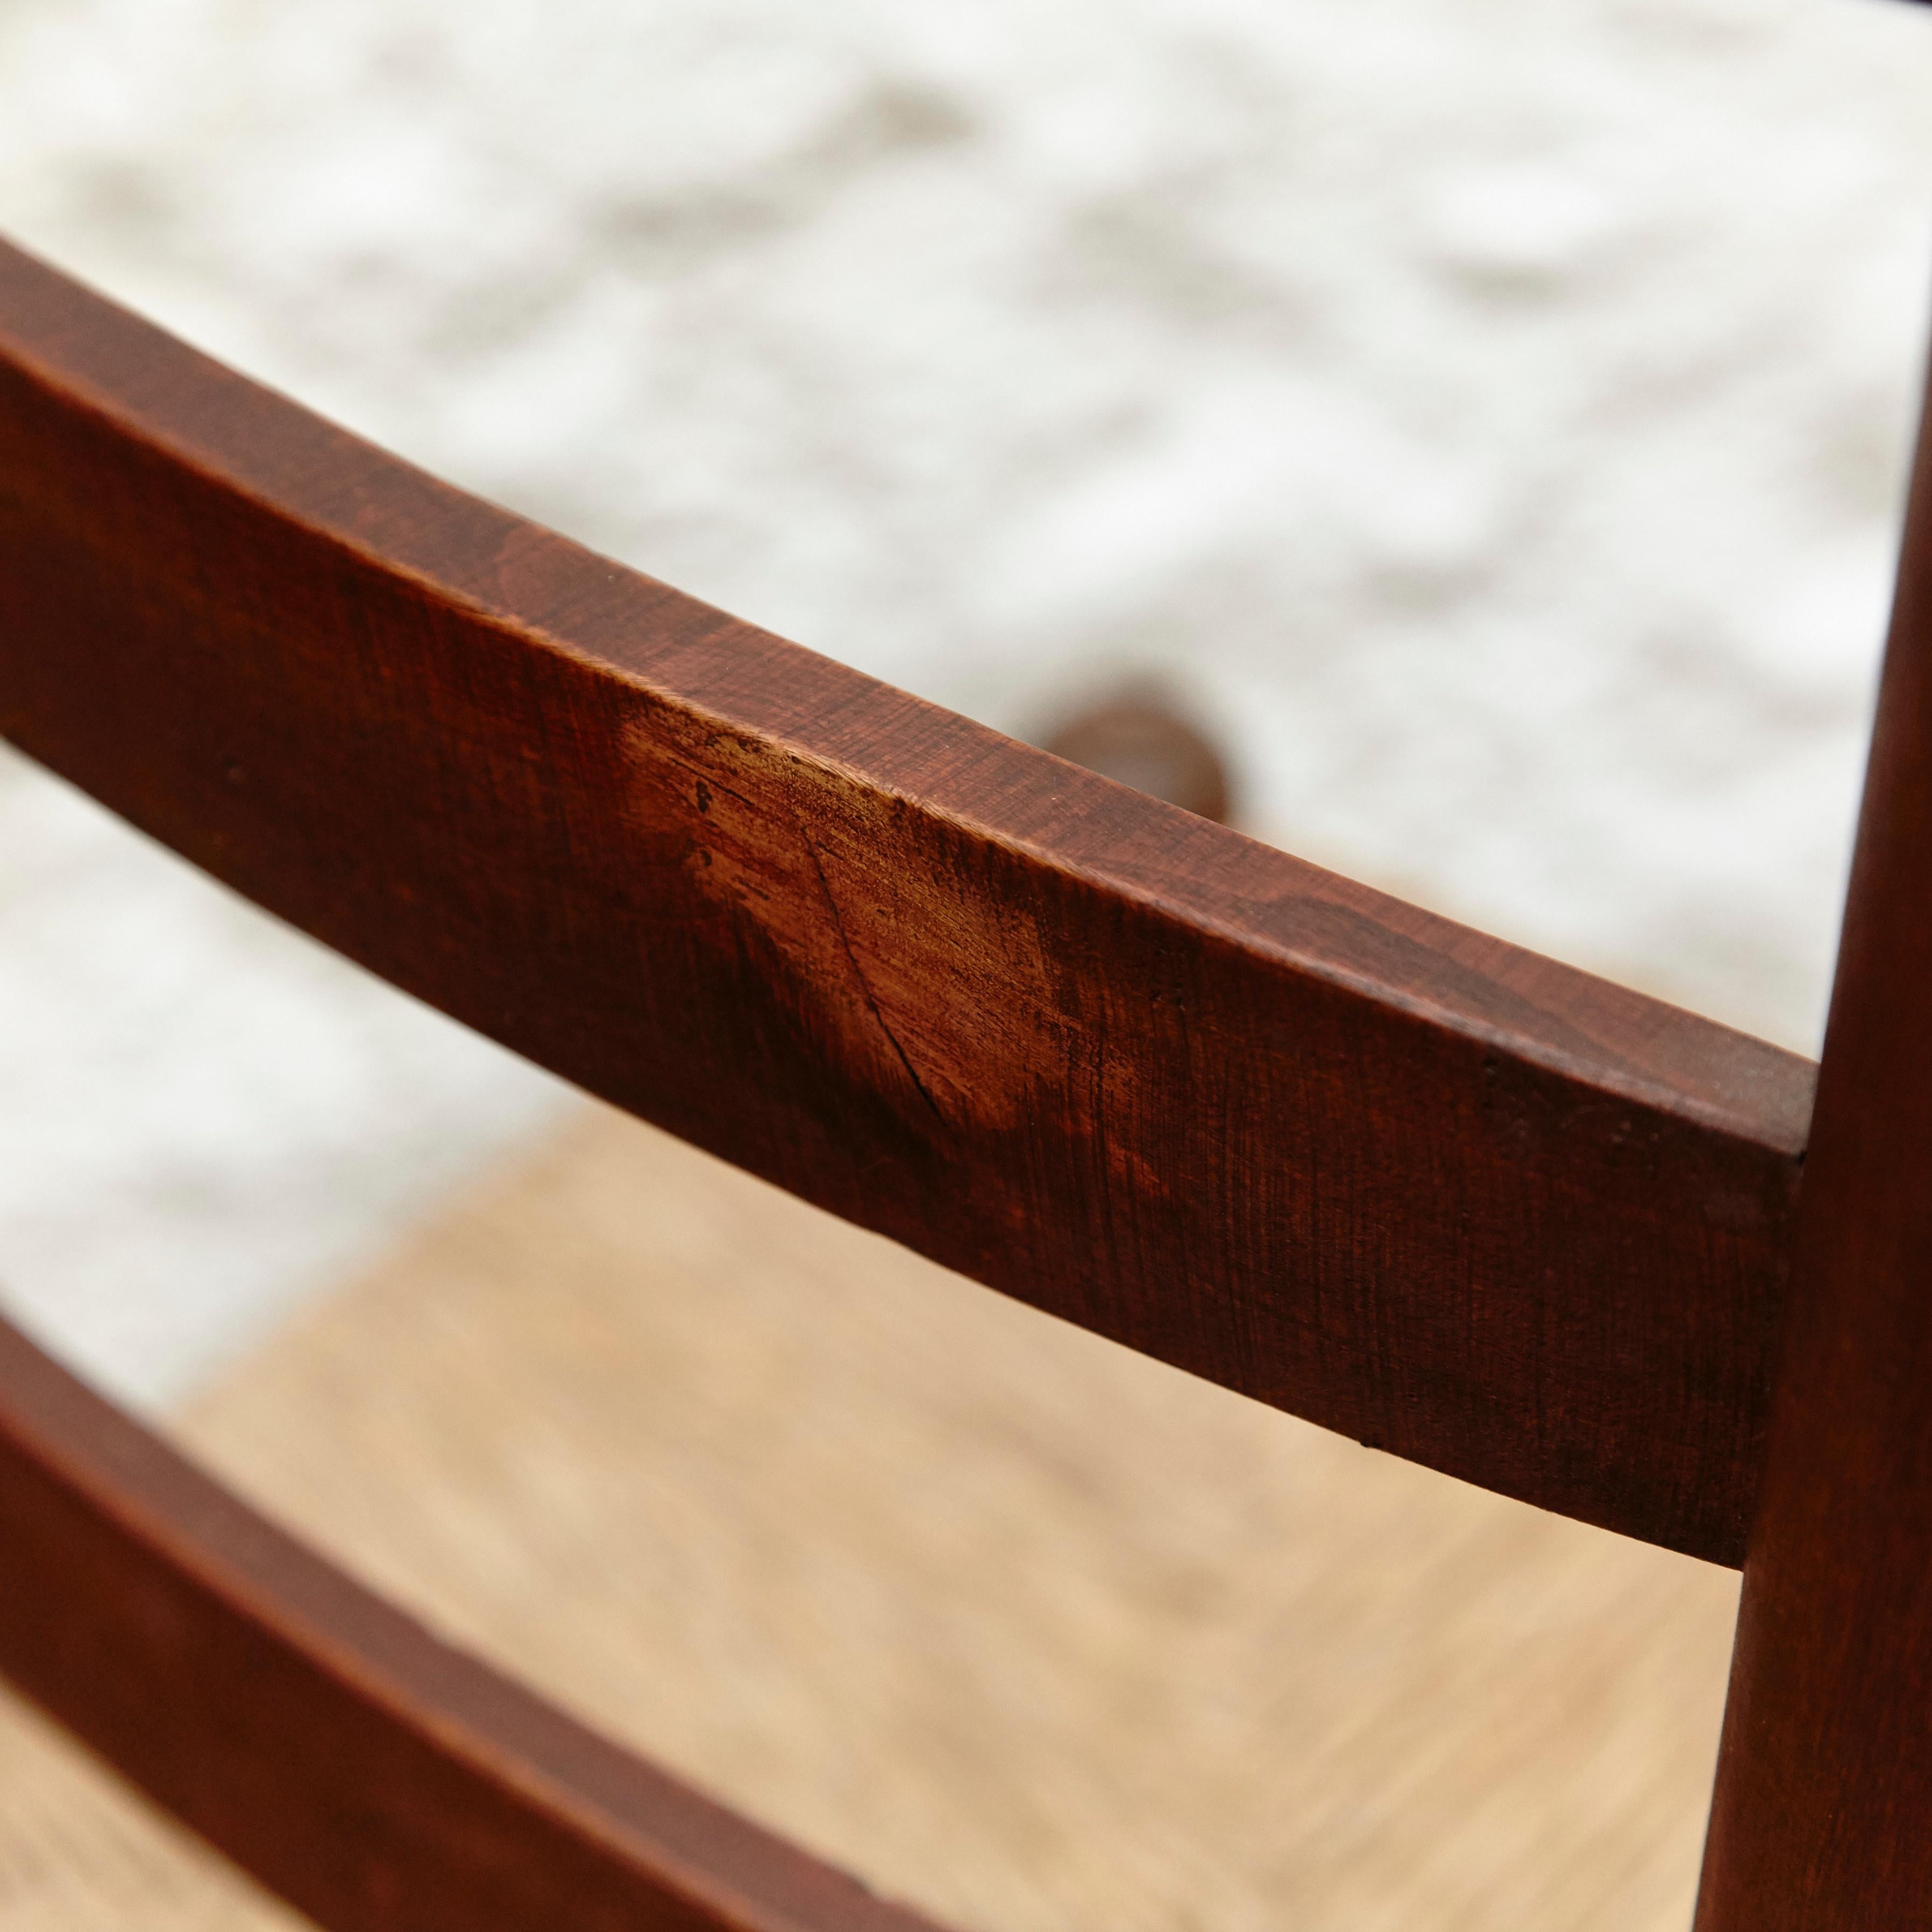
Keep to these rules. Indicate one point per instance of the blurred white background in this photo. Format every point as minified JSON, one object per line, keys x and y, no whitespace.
{"x":1488,"y":418}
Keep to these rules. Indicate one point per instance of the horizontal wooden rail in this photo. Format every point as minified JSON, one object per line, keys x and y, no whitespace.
{"x":374,"y":1776}
{"x":1472,"y":1207}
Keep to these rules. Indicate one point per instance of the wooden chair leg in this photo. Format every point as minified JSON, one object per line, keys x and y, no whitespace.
{"x":1822,"y":1815}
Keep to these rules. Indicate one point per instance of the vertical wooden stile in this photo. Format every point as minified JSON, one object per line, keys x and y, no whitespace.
{"x":1823,"y":1813}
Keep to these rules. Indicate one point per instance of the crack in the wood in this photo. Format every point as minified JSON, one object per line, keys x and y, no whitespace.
{"x":859,"y":974}
{"x":707,"y":780}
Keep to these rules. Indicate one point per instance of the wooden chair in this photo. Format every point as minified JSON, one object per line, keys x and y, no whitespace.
{"x":1472,"y":1207}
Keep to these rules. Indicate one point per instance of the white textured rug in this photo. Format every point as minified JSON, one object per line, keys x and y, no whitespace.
{"x":1488,"y":417}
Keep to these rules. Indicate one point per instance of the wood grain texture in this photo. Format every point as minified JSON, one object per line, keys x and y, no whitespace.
{"x":1823,"y":1818}
{"x":1424,"y":1188}
{"x":376,"y":1778}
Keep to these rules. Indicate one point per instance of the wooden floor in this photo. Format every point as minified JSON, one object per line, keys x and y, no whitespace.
{"x":1027,"y":1630}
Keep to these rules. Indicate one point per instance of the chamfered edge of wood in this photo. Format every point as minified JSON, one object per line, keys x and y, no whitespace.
{"x":1623,"y":1171}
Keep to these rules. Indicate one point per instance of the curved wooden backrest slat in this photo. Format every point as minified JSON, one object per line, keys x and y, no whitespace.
{"x":376,"y":1778}
{"x":1474,"y":1207}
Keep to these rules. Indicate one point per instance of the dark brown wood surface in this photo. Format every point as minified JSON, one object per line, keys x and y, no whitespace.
{"x":377,"y":1779}
{"x":1823,"y":1813}
{"x":1458,"y":1201}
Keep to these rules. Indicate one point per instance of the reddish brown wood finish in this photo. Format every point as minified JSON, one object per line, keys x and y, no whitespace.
{"x":379,"y":1780}
{"x":1823,"y":1813}
{"x":1458,"y":1201}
